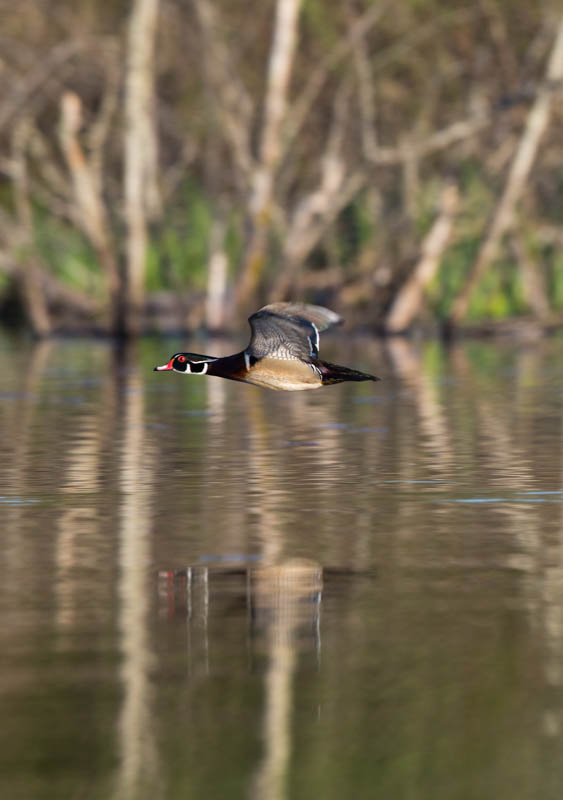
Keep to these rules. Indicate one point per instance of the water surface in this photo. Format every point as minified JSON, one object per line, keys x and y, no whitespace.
{"x":211,"y":590}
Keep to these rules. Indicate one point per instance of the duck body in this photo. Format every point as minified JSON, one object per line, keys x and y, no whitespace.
{"x":270,"y":373}
{"x":282,"y":353}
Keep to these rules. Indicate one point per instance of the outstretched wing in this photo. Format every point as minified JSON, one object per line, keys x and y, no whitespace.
{"x":289,"y":330}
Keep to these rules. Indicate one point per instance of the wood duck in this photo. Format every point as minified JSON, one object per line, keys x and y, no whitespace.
{"x":283,"y":352}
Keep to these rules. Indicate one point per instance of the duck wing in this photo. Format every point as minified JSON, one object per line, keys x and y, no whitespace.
{"x":289,"y":330}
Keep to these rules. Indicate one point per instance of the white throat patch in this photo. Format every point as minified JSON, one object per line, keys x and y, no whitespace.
{"x":204,"y":367}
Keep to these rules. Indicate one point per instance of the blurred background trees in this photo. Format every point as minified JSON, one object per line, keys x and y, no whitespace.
{"x":170,"y":163}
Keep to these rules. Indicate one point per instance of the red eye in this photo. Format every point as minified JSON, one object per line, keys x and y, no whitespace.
{"x":181,"y":359}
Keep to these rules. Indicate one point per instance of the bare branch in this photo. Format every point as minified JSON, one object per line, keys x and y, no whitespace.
{"x":536,"y":124}
{"x":421,"y":34}
{"x":175,"y":174}
{"x":408,"y":301}
{"x":322,"y":210}
{"x":302,"y":105}
{"x":46,"y":163}
{"x":440,"y":140}
{"x":90,"y":206}
{"x":31,"y":292}
{"x":34,"y":80}
{"x":234,"y":105}
{"x":367,"y":107}
{"x":317,"y":210}
{"x":56,"y":293}
{"x":98,"y":131}
{"x":500,"y":37}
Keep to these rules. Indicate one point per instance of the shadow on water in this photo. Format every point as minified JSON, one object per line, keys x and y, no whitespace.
{"x":211,"y":590}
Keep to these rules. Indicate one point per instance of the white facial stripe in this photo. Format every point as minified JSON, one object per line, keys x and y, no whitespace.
{"x":247,"y":360}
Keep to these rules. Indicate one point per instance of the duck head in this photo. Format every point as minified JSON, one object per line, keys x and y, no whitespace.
{"x":187,"y":364}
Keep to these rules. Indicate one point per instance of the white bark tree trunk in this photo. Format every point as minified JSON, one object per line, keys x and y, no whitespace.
{"x":217,"y":269}
{"x":262,"y":181}
{"x":408,"y":301}
{"x":140,"y":152}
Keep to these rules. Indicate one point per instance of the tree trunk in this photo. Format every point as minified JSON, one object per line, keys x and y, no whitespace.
{"x":532,"y":280}
{"x":140,"y":154}
{"x":30,"y":288}
{"x":314,"y":212}
{"x":33,"y":299}
{"x":408,"y":301}
{"x":89,"y":202}
{"x":264,"y":174}
{"x":536,"y":124}
{"x":310,"y":221}
{"x":215,"y":306}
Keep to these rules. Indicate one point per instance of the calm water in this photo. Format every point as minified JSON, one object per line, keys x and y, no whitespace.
{"x":210,"y":590}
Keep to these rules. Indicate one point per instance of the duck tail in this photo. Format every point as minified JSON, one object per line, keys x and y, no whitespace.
{"x":333,"y":373}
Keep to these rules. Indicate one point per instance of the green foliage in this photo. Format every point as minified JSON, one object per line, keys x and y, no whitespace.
{"x":178,"y":252}
{"x":234,"y":238}
{"x":67,"y":253}
{"x":451,"y":275}
{"x":320,"y":24}
{"x":499,"y":292}
{"x":555,"y":279}
{"x":356,"y":230}
{"x":418,"y":73}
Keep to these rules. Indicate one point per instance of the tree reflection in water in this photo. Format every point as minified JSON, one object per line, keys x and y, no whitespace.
{"x":422,"y":514}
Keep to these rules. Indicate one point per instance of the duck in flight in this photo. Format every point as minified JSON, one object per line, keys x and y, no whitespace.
{"x":283,"y":352}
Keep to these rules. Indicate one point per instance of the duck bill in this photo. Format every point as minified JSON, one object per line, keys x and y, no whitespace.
{"x":164,"y":366}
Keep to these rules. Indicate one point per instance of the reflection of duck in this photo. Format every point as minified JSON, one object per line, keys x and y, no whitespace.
{"x":286,"y":597}
{"x":282,"y":353}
